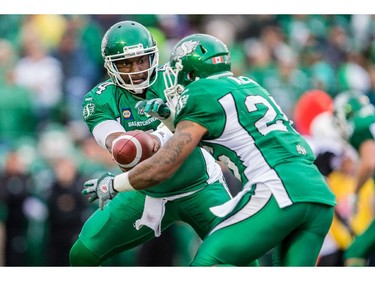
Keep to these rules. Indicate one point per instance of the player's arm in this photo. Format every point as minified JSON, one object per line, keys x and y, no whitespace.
{"x":366,"y":167}
{"x":106,"y":132}
{"x":109,"y":140}
{"x":165,"y":162}
{"x":152,"y":171}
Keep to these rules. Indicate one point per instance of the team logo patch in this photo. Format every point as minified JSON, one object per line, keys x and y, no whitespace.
{"x":88,"y":109}
{"x":127,"y":114}
{"x":181,"y":103}
{"x":301,"y":149}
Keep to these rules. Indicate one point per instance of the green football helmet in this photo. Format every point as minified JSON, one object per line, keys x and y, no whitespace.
{"x":347,"y":105}
{"x":195,"y":56}
{"x":125,"y":40}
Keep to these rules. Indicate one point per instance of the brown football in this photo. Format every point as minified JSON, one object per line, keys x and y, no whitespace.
{"x":131,"y":148}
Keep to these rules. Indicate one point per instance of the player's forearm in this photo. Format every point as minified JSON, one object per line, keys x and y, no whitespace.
{"x":365,"y":172}
{"x":160,"y":166}
{"x":366,"y":166}
{"x":146,"y":174}
{"x":136,"y":179}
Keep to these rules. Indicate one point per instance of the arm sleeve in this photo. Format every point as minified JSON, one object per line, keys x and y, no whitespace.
{"x":102,"y":130}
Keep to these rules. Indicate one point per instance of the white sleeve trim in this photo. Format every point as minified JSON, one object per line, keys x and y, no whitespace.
{"x":213,"y":168}
{"x":104,"y":129}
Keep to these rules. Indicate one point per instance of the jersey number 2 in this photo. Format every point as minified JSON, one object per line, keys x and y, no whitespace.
{"x":265,"y":124}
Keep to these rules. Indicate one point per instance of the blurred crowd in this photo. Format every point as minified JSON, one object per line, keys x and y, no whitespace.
{"x":49,"y":62}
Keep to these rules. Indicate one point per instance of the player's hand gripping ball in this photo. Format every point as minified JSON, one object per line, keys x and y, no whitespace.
{"x":131,"y":148}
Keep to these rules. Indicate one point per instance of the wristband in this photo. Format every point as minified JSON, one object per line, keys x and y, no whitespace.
{"x":162,"y":133}
{"x":121,"y":183}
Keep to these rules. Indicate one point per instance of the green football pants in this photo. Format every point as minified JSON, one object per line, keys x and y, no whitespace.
{"x":363,"y":245}
{"x":296,"y":233}
{"x":111,"y":231}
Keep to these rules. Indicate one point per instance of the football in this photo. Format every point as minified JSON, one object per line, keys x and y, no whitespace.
{"x":131,"y":148}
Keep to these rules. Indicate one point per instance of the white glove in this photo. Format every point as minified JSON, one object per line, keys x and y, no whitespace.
{"x":154,"y":107}
{"x":101,"y":188}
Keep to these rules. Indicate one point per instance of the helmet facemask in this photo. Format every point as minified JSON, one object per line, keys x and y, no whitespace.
{"x":172,"y":90}
{"x":128,"y":53}
{"x":342,"y":125}
{"x":347,"y":105}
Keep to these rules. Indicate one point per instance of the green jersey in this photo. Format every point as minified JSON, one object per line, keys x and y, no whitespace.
{"x":107,"y":102}
{"x":187,"y":196}
{"x":363,"y":128}
{"x":249,"y":132}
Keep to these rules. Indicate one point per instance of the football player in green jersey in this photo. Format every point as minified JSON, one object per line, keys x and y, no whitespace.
{"x":354,"y":117}
{"x":131,"y":58}
{"x":285,"y":203}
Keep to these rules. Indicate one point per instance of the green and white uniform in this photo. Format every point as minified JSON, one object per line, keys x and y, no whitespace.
{"x":363,"y":129}
{"x":283,"y":191}
{"x":186,"y":196}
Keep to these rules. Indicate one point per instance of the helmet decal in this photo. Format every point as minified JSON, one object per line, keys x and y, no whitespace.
{"x":218,"y":59}
{"x":186,"y":48}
